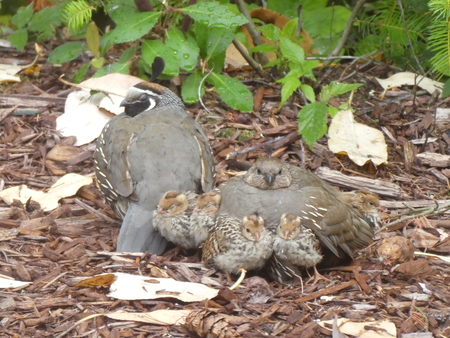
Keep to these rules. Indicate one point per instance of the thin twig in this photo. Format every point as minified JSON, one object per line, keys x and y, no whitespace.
{"x":255,"y":65}
{"x":240,"y":279}
{"x":256,"y":36}
{"x":260,"y":145}
{"x":434,"y":210}
{"x":90,"y":209}
{"x":410,"y":45}
{"x":199,"y":90}
{"x":347,"y":30}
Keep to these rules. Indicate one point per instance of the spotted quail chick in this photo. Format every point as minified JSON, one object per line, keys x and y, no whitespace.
{"x":363,"y":201}
{"x":203,"y":216}
{"x":295,"y":247}
{"x":234,"y":243}
{"x":172,"y":218}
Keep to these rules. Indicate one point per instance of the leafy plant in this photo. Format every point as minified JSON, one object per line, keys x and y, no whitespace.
{"x":384,"y":28}
{"x":438,"y":40}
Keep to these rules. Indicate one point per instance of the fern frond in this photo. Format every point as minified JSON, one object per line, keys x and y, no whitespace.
{"x":77,"y":14}
{"x":439,"y":38}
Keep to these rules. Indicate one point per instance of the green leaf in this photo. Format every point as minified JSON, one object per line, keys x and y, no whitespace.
{"x":334,"y":89}
{"x":270,"y":31}
{"x":263,"y":49}
{"x":81,"y":73}
{"x":93,"y":39}
{"x":212,"y":40}
{"x":186,"y":49}
{"x":19,"y":39}
{"x":117,"y":67}
{"x":446,"y":89}
{"x":46,"y":20}
{"x":309,"y":92}
{"x":217,"y":61}
{"x":232,"y":92}
{"x":65,"y":52}
{"x":153,"y":48}
{"x":23,"y":16}
{"x":189,"y":88}
{"x":332,"y":21}
{"x":98,"y":62}
{"x":213,"y":14}
{"x":333,"y":111}
{"x":312,"y":122}
{"x":290,"y":85}
{"x":120,"y":14}
{"x":127,"y":54}
{"x":135,"y":27}
{"x":292,"y":51}
{"x":289,"y":7}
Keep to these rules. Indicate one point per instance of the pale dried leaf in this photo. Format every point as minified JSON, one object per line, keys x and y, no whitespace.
{"x":67,"y":185}
{"x":82,"y":117}
{"x":360,"y":142}
{"x":9,"y":283}
{"x":421,"y":238}
{"x":130,"y":287}
{"x":382,"y":329}
{"x":158,"y":317}
{"x":8,"y":71}
{"x":410,"y":79}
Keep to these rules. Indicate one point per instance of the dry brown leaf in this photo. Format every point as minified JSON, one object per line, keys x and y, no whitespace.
{"x":360,"y":142}
{"x":422,"y":239}
{"x":67,"y":185}
{"x":396,"y":249}
{"x":100,"y":280}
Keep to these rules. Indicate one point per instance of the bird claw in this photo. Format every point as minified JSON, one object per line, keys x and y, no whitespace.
{"x":317,"y":277}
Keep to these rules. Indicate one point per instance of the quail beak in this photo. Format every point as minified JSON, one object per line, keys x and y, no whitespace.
{"x":270,"y":178}
{"x":286,"y":234}
{"x":257,"y":236}
{"x":125,"y":103}
{"x":160,"y":211}
{"x":196,"y":210}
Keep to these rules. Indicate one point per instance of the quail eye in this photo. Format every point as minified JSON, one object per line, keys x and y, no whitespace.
{"x":247,"y":229}
{"x":258,"y":171}
{"x":143,"y":98}
{"x":280,"y":172}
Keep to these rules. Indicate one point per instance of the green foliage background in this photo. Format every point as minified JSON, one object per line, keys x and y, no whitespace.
{"x":417,"y":41}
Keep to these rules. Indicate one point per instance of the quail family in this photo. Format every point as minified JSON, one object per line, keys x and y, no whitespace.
{"x":155,"y":167}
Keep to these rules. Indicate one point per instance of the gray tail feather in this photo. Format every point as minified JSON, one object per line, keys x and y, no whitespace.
{"x":137,"y":233}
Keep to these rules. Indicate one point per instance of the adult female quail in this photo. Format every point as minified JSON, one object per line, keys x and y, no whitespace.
{"x":272,"y":188}
{"x":151,"y":148}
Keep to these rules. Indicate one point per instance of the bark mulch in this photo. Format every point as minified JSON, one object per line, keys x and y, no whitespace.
{"x":77,"y":239}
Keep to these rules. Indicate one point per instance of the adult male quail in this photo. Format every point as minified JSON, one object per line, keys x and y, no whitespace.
{"x":295,"y":247}
{"x":203,"y":216}
{"x":151,"y":148}
{"x":340,"y":228}
{"x":237,"y":243}
{"x":172,"y":218}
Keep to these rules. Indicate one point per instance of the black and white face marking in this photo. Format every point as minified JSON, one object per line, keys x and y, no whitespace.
{"x":140,"y":98}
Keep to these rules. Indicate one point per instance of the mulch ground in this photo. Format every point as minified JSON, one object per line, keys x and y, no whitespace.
{"x":51,"y":249}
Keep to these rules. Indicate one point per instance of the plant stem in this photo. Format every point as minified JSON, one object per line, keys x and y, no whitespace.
{"x":256,"y":36}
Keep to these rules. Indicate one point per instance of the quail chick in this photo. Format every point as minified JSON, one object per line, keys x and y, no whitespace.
{"x":295,"y":247}
{"x":172,"y":218}
{"x":363,"y":201}
{"x":234,"y":243}
{"x":203,"y":216}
